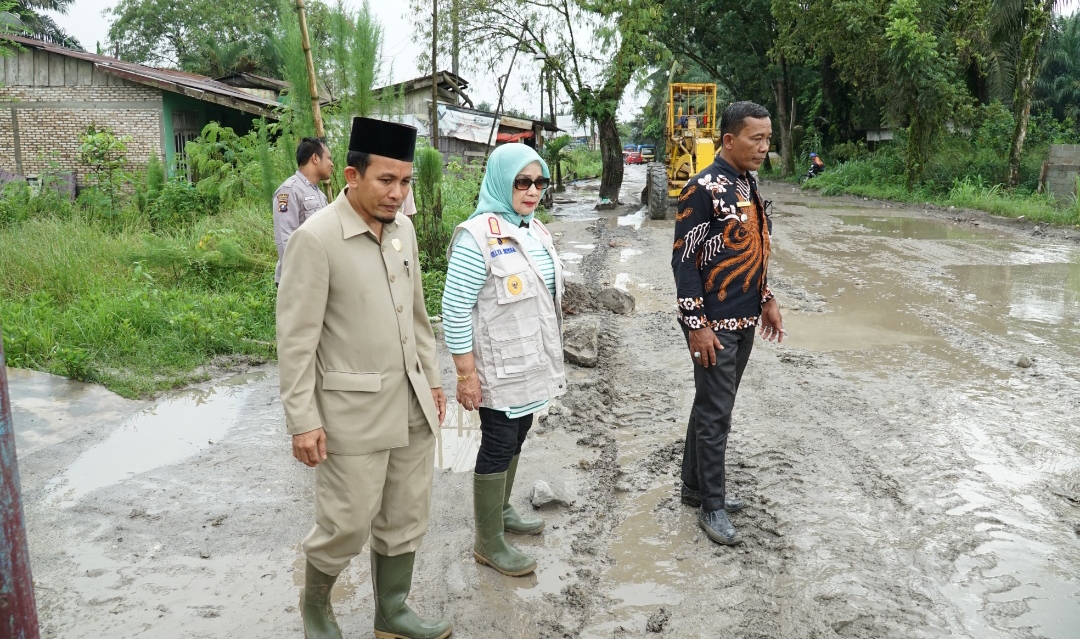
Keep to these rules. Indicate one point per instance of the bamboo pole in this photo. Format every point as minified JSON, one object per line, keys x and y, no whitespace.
{"x":434,"y":128}
{"x":313,"y":85}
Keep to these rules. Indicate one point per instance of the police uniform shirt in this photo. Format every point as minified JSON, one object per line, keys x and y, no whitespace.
{"x":295,"y":201}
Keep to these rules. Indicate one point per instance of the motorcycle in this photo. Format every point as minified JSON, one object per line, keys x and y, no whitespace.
{"x":812,"y":172}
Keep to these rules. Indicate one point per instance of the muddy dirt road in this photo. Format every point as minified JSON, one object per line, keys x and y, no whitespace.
{"x":905,"y":477}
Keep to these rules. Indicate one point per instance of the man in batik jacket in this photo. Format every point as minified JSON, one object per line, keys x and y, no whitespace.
{"x":721,"y":260}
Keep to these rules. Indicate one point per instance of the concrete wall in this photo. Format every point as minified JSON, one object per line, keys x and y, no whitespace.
{"x":47,"y":101}
{"x":1062,"y":168}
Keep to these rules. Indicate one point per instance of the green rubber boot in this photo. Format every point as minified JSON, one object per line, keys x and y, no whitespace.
{"x":315,"y":609}
{"x":391,"y":578}
{"x":512,"y":521}
{"x":490,"y":547}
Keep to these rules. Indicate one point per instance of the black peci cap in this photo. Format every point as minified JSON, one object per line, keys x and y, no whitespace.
{"x":388,"y":139}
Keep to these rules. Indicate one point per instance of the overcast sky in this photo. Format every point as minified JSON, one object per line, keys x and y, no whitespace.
{"x":86,"y":22}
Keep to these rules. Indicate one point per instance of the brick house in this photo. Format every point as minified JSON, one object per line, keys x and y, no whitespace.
{"x":49,"y":95}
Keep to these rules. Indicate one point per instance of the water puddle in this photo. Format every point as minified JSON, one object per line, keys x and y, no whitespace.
{"x":550,"y":580}
{"x":1044,"y":293}
{"x":571,"y":257}
{"x":915,"y":228}
{"x":166,"y":433}
{"x":649,"y":567}
{"x":458,"y":439}
{"x":825,"y":206}
{"x":647,"y":297}
{"x":852,"y":311}
{"x":1016,"y":577}
{"x":1042,"y":254}
{"x":635,"y":219}
{"x":48,"y":409}
{"x":626,"y":254}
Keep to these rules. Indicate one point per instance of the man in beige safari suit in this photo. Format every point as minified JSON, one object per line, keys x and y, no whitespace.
{"x":360,"y":383}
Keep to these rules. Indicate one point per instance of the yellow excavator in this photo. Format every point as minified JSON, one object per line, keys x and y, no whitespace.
{"x":690,"y":139}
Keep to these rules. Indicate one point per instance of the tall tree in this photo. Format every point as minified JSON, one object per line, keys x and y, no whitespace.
{"x":10,"y":24}
{"x":1059,"y":81}
{"x":39,"y":25}
{"x":168,"y":33}
{"x":598,"y":47}
{"x":216,"y":59}
{"x":921,"y":83}
{"x":735,"y":43}
{"x":1031,"y":20}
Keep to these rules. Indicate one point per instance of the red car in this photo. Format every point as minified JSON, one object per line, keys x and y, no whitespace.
{"x":633,"y":157}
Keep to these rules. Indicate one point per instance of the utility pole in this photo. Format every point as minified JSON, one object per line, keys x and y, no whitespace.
{"x":502,"y":92}
{"x":541,"y":56}
{"x":313,"y":85}
{"x":18,"y":614}
{"x":434,"y":128}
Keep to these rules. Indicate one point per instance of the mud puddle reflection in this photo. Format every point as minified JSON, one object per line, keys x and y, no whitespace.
{"x":163,"y":434}
{"x":47,"y":409}
{"x":915,"y":228}
{"x":649,"y":568}
{"x":1047,"y":294}
{"x":851,"y":311}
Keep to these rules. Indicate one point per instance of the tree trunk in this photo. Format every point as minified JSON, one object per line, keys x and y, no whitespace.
{"x":787,"y":153}
{"x":455,"y":36}
{"x":611,"y":155}
{"x":1039,"y":13}
{"x":552,"y":88}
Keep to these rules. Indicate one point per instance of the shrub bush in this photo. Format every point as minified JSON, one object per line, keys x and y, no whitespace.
{"x":180,"y":205}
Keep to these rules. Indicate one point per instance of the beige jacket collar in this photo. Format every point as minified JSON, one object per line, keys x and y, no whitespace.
{"x":352,"y":224}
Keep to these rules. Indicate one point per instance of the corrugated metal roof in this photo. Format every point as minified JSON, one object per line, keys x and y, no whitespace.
{"x":196,"y":86}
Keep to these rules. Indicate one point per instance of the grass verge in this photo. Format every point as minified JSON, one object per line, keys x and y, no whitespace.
{"x":136,"y":311}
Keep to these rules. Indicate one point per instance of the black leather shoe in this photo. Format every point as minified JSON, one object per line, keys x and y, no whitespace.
{"x":718,"y":527}
{"x":690,"y":497}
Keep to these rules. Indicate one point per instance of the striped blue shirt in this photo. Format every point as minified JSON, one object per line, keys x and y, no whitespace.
{"x":465,"y":276}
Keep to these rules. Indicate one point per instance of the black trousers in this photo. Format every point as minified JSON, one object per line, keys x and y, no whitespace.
{"x":500,"y":440}
{"x":710,"y":418}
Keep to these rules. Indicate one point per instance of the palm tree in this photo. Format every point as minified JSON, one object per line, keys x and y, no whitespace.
{"x":1025,"y":24}
{"x":36,"y":24}
{"x":1059,"y":82}
{"x":216,"y":59}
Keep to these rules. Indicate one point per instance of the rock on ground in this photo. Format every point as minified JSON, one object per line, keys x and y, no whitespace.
{"x":616,"y":300}
{"x":544,"y":495}
{"x":658,"y":620}
{"x":580,"y":344}
{"x":580,"y":298}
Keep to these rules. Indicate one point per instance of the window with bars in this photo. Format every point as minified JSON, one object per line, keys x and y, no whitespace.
{"x":185,"y":129}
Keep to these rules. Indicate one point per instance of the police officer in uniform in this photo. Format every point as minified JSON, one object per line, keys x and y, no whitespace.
{"x":360,"y":383}
{"x":299,"y":197}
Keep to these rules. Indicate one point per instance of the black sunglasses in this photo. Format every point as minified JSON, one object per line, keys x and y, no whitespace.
{"x":523,"y":183}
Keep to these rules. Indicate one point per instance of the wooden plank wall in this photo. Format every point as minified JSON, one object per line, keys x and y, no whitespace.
{"x":32,"y":68}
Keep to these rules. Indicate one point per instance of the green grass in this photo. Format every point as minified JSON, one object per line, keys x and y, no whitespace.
{"x":135,"y":311}
{"x":582,"y":163}
{"x":954,"y":179}
{"x":148,"y":297}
